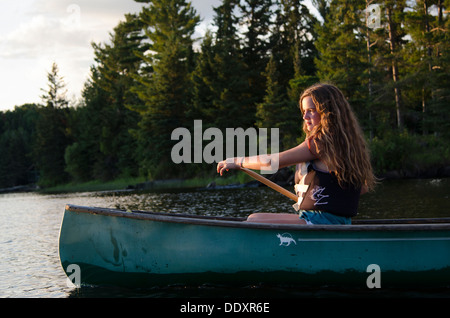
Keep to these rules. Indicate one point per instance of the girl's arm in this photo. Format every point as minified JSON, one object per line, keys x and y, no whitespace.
{"x":300,"y":153}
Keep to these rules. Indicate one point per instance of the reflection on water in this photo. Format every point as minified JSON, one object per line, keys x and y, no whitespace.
{"x":393,"y":199}
{"x":30,"y":222}
{"x":226,"y":202}
{"x":407,"y":199}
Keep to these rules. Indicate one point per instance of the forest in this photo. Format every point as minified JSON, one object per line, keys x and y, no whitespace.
{"x":390,"y":58}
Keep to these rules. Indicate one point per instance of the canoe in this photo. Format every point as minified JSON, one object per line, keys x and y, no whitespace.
{"x":138,"y":248}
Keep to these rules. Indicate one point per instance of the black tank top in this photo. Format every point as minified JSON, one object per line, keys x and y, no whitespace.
{"x":325,"y":194}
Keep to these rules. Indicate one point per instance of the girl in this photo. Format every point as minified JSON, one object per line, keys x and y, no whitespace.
{"x":333,"y":163}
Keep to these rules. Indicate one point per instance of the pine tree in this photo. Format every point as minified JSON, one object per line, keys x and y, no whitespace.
{"x":118,"y":63}
{"x":422,"y":55}
{"x":52,"y":132}
{"x":439,"y":105}
{"x":17,"y":132}
{"x":289,"y":71}
{"x":165,"y":88}
{"x":84,"y":158}
{"x":232,"y":101}
{"x":394,"y":11}
{"x":343,"y":53}
{"x":55,"y":96}
{"x":256,"y":15}
{"x":277,"y":110}
{"x":269,"y":111}
{"x":292,"y":40}
{"x":104,"y":147}
{"x":204,"y":79}
{"x":222,"y":94}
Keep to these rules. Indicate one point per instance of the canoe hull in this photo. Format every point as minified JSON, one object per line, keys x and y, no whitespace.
{"x":144,"y":249}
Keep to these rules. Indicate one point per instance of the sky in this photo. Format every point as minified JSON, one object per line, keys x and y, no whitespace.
{"x":34,"y":34}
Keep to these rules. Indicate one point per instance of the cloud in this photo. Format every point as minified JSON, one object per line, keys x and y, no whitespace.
{"x":67,"y":27}
{"x":48,"y":31}
{"x":43,"y":36}
{"x":101,"y":12}
{"x":36,"y":33}
{"x":62,"y":27}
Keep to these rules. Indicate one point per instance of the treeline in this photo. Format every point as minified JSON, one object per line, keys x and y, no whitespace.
{"x":152,"y":76}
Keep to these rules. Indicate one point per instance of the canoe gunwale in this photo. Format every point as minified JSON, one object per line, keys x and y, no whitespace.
{"x":419,"y":224}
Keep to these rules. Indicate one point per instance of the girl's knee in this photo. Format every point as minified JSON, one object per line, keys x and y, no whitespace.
{"x":275,"y":218}
{"x":257,"y":217}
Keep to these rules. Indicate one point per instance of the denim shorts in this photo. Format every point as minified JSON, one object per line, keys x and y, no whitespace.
{"x":318,"y":217}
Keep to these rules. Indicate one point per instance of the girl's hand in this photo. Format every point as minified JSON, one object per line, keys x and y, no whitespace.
{"x":226,"y":165}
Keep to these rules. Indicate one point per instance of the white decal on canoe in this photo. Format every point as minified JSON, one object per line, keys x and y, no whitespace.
{"x":286,"y":239}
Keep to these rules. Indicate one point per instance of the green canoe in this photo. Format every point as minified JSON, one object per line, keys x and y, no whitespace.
{"x":139,"y":248}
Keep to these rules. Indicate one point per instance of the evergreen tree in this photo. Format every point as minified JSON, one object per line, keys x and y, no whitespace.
{"x":232,"y":101}
{"x":439,"y":107}
{"x":55,"y":96}
{"x":118,"y":63}
{"x":303,"y":56}
{"x":343,"y":56}
{"x":104,"y":148}
{"x":256,"y":15}
{"x":17,"y":132}
{"x":165,"y":90}
{"x":204,"y":79}
{"x":222,"y":94}
{"x":387,"y":54}
{"x":52,"y":132}
{"x":289,"y":71}
{"x":394,"y":13}
{"x":422,"y":57}
{"x":292,"y":40}
{"x":277,"y":111}
{"x":84,"y":158}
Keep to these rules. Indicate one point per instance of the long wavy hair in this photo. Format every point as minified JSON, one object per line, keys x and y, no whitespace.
{"x":339,"y":139}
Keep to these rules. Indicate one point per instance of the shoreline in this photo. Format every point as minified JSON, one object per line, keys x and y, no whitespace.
{"x":139,"y":184}
{"x":284,"y":177}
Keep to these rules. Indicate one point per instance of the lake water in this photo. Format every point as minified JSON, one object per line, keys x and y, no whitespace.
{"x":30,"y":223}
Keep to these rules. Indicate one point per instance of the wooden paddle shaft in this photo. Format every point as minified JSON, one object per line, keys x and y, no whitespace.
{"x":270,"y":184}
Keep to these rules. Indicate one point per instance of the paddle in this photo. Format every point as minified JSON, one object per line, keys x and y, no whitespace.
{"x":270,"y":184}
